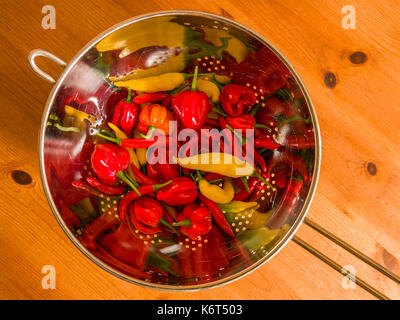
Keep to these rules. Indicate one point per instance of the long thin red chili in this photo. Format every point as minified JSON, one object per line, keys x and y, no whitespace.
{"x":141,"y":177}
{"x":268,"y":144}
{"x":243,"y":193}
{"x":150,"y":97}
{"x":217,"y":215}
{"x":86,"y":187}
{"x":104,"y":188}
{"x":260,"y":161}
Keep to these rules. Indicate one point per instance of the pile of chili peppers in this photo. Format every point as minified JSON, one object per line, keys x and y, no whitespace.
{"x":169,"y":221}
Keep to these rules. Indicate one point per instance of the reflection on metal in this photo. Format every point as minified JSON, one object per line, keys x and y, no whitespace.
{"x":340,"y":269}
{"x":352,"y":250}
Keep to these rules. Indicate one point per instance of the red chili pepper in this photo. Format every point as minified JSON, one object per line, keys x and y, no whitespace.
{"x":289,"y":201}
{"x":217,"y":215}
{"x":169,"y":171}
{"x":243,"y":122}
{"x":149,"y":212}
{"x":150,"y":97}
{"x":192,"y":106}
{"x":139,"y":225}
{"x":143,"y":143}
{"x":153,"y":172}
{"x":108,"y":160}
{"x":260,"y":195}
{"x":244,"y":193}
{"x":229,"y":139}
{"x":84,"y":186}
{"x":141,"y":177}
{"x":212,"y":122}
{"x":235,"y":99}
{"x":132,"y":196}
{"x":213,"y":176}
{"x":263,"y":70}
{"x":260,"y":161}
{"x":294,"y":163}
{"x":126,"y":114}
{"x":140,"y":143}
{"x":95,"y":228}
{"x":181,"y":191}
{"x":106,"y":257}
{"x":104,"y":188}
{"x":268,"y":144}
{"x":194,"y":221}
{"x":167,"y":101}
{"x":205,"y":258}
{"x":124,"y":246}
{"x":70,"y":219}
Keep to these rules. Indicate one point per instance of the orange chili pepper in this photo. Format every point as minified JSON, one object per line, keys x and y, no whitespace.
{"x":155,"y":115}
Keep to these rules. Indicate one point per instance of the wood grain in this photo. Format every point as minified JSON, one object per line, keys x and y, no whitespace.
{"x":359,"y":119}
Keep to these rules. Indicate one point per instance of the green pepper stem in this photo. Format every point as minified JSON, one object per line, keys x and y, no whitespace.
{"x":168,"y":225}
{"x":52,"y":116}
{"x":149,"y":132}
{"x":257,"y":125}
{"x":199,"y":175}
{"x":242,"y":141}
{"x":244,"y":180}
{"x":159,"y":186}
{"x":293,"y":118}
{"x":194,"y":82}
{"x":256,"y":174}
{"x":213,"y":80}
{"x":254,"y":111}
{"x":216,"y":110}
{"x":129,"y":97}
{"x":121,"y":175}
{"x":136,"y":184}
{"x":115,"y":140}
{"x":186,"y":223}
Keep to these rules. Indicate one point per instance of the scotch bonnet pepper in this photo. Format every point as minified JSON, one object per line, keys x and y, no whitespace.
{"x":194,"y":221}
{"x":155,"y":115}
{"x":192,"y":106}
{"x":125,"y":114}
{"x":109,"y":162}
{"x":235,"y":99}
{"x":149,"y":212}
{"x":182,"y":190}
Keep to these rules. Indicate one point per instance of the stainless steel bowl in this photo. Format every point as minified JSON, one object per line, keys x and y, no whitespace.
{"x":140,"y":32}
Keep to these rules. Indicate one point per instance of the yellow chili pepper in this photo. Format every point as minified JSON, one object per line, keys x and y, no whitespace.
{"x":222,"y":79}
{"x":215,"y":193}
{"x":163,"y":82}
{"x":221,"y":163}
{"x":209,"y":88}
{"x":79,"y":116}
{"x":143,"y":34}
{"x":121,"y":135}
{"x":236,"y":47}
{"x":141,"y":153}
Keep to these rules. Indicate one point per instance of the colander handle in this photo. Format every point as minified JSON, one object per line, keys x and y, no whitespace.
{"x":42,"y":53}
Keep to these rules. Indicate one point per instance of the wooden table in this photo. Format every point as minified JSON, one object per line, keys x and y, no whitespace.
{"x":352,"y":77}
